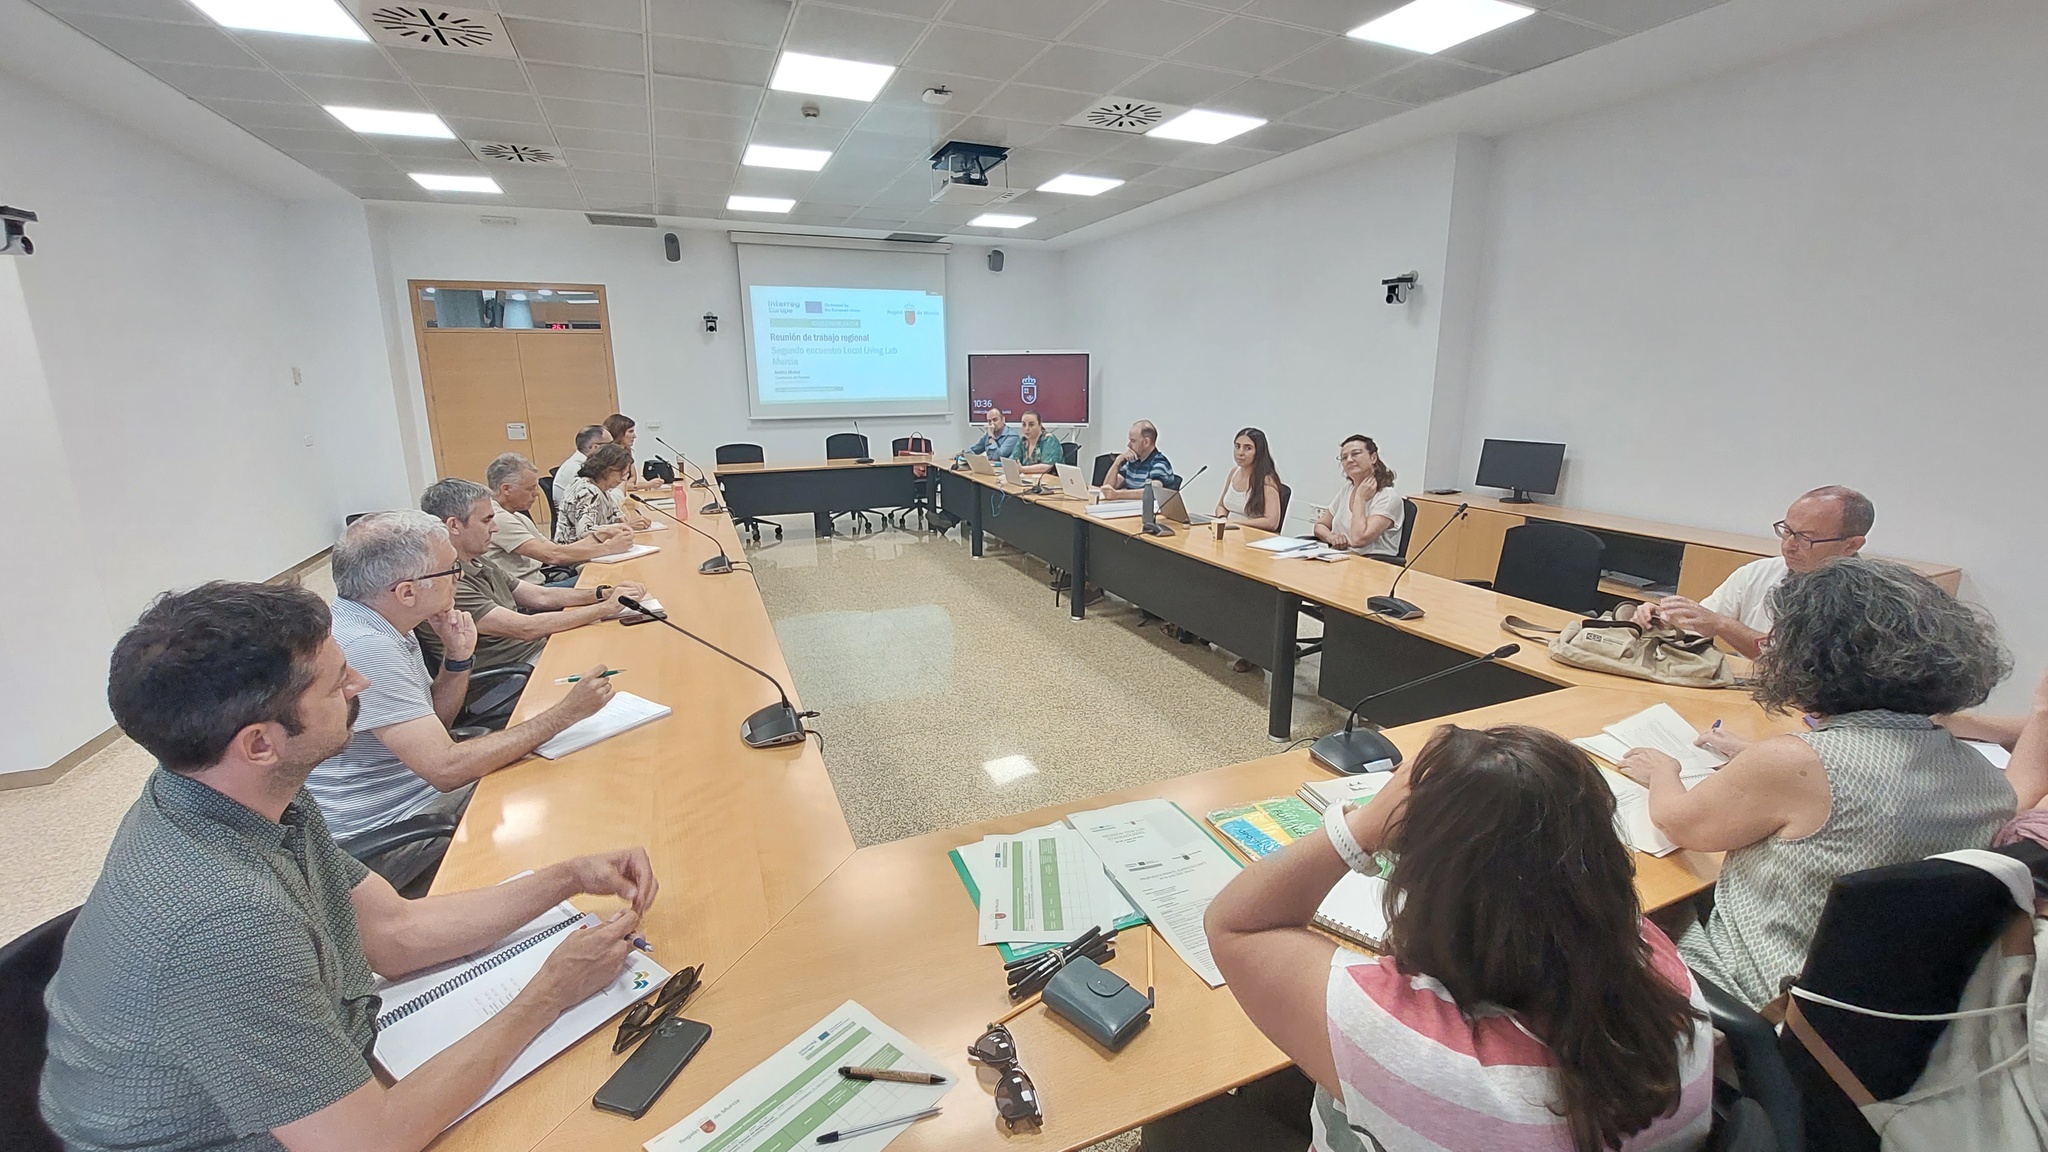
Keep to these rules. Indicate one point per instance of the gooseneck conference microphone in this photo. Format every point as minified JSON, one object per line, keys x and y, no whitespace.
{"x":865,"y":457}
{"x":684,"y":462}
{"x":1356,"y":750}
{"x":1149,"y":523}
{"x":1393,"y":606}
{"x":770,"y":727}
{"x":719,"y":565}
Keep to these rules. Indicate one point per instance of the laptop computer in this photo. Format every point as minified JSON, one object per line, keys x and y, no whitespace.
{"x":1013,"y":472}
{"x":1073,"y":482}
{"x":1174,"y":508}
{"x":979,"y":465}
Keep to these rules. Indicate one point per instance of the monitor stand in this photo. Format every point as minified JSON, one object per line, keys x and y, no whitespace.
{"x":1517,"y":497}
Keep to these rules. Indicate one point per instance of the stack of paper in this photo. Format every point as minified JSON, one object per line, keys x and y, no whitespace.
{"x":622,"y":713}
{"x":1320,"y":794}
{"x":1169,"y":867}
{"x":1117,"y":509}
{"x":1044,"y":886}
{"x":976,"y":864}
{"x":1299,"y":548}
{"x":633,"y":553}
{"x":1662,"y":728}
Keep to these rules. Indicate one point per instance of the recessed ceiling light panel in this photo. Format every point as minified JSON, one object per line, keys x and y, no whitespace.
{"x":770,"y":156}
{"x":383,"y":122}
{"x":999,"y":220}
{"x":758,"y":204}
{"x":1071,"y":184}
{"x":1205,"y":127}
{"x":1434,"y":25}
{"x":292,"y":17}
{"x":828,"y":76}
{"x":436,"y":182}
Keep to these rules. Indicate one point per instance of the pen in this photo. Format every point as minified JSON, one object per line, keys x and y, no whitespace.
{"x":601,"y":675}
{"x":895,"y":1075}
{"x":848,"y":1133}
{"x":641,"y":943}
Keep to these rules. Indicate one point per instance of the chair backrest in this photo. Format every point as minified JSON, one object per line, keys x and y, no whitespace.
{"x":1286,"y":498}
{"x":1407,"y":528}
{"x":1554,"y":564}
{"x":26,"y":966}
{"x":1102,"y":464}
{"x":740,"y":454}
{"x":845,"y":446}
{"x":547,"y":493}
{"x":1070,"y":451}
{"x":911,"y":445}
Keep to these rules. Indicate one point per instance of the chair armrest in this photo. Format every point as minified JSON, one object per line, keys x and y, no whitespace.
{"x":1488,"y":584}
{"x":502,"y":672}
{"x":1759,"y":1065}
{"x":411,"y":830}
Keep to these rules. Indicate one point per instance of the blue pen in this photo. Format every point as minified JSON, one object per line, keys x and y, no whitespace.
{"x":641,"y":943}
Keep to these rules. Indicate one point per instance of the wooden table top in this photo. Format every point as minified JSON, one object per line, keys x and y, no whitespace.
{"x":894,"y":929}
{"x":819,"y":465}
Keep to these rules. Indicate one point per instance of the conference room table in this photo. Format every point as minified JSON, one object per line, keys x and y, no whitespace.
{"x":823,"y":488}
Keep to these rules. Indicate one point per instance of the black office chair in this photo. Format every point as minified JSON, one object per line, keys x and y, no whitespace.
{"x":747,"y":454}
{"x":851,"y":446}
{"x":26,"y":965}
{"x":923,"y":488}
{"x":1070,"y":452}
{"x":375,"y":847}
{"x":547,"y":493}
{"x":492,"y":695}
{"x":1554,"y":564}
{"x":1102,"y":464}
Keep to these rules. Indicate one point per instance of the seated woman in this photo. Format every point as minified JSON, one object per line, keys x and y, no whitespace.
{"x":624,"y":432}
{"x":590,"y":501}
{"x":1871,"y":652}
{"x":1037,"y":450}
{"x":1523,"y":1001}
{"x":1366,"y":514}
{"x":1251,"y":493}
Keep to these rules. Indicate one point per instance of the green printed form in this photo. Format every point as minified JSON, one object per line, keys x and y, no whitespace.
{"x":767,"y":1109}
{"x":1049,"y":914}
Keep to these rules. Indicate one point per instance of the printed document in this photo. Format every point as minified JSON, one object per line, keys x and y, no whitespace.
{"x":1168,"y":866}
{"x":1041,"y":886}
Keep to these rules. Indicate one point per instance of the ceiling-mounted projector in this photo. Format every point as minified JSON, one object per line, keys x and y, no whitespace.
{"x":964,"y":174}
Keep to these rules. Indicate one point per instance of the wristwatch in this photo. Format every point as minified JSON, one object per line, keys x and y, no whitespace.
{"x":462,"y":665}
{"x":601,"y":589}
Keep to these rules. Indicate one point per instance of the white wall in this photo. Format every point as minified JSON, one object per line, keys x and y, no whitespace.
{"x":1268,"y":311}
{"x":1824,"y":270}
{"x":671,"y":373}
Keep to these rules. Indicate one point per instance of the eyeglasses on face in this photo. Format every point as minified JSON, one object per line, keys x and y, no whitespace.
{"x":1016,"y":1096}
{"x":455,"y":571}
{"x":1353,"y":454}
{"x":649,"y":1014}
{"x":1785,"y":532}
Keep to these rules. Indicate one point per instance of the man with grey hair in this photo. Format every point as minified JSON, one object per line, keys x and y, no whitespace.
{"x":394,"y":571}
{"x":590,"y":437}
{"x":1820,"y":526}
{"x":519,"y":546}
{"x":498,"y":603}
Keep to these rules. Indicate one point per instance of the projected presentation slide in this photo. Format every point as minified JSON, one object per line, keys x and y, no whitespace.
{"x":847,"y":345}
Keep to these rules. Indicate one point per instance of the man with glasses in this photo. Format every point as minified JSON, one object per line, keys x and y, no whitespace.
{"x":394,"y":571}
{"x":1822,"y":525}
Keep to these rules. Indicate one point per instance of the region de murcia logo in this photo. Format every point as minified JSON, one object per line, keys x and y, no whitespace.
{"x":1030,"y":389}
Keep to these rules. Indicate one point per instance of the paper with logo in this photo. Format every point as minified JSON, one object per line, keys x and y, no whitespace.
{"x":787,"y":1100}
{"x":1044,"y":886}
{"x":1168,"y":866}
{"x":425,"y":1014}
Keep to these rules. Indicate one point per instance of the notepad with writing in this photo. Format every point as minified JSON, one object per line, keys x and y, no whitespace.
{"x":1356,"y":910}
{"x":622,"y":713}
{"x":633,"y":553}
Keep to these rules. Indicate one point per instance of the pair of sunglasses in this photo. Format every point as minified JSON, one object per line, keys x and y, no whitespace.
{"x":1016,"y":1096}
{"x":643,"y":1018}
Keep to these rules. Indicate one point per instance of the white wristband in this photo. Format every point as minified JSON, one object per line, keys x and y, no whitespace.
{"x":1355,"y":857}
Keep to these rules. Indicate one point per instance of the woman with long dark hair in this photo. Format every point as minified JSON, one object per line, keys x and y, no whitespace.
{"x":1251,"y":493}
{"x":1523,"y":1003}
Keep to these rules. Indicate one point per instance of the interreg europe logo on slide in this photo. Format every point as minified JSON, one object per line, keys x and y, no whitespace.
{"x":1029,"y":386}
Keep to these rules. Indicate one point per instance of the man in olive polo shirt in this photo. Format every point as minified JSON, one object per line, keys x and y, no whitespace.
{"x":514,"y":618}
{"x":216,"y":990}
{"x":519,"y":546}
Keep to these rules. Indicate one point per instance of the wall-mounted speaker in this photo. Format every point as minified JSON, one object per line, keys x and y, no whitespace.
{"x":673,"y":247}
{"x":995,"y":259}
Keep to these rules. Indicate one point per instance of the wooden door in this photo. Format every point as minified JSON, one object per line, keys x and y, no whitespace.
{"x":474,"y":390}
{"x":568,"y":379}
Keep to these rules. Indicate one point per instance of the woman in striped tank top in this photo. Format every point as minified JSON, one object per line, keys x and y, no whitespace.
{"x":1524,"y":1005}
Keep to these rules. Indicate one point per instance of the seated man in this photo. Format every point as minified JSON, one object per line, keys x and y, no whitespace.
{"x":998,"y":441}
{"x":394,"y":571}
{"x":216,"y":989}
{"x":519,"y":546}
{"x":1821,"y":525}
{"x":1140,"y":463}
{"x":587,"y":441}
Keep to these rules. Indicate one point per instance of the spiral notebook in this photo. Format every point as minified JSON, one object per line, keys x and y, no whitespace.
{"x":622,"y":713}
{"x":1356,"y":911}
{"x":425,"y":1014}
{"x":633,"y":553}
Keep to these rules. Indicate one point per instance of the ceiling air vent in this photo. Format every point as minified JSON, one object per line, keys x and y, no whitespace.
{"x":472,"y":31}
{"x":612,"y":221}
{"x":1128,"y":116}
{"x":524,"y":155}
{"x":914,"y":237}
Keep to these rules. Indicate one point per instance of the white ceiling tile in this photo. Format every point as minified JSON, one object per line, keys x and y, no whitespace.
{"x":1045,"y":19}
{"x":1223,"y":158}
{"x":155,"y":40}
{"x":701,"y":151}
{"x":849,"y":35}
{"x":503,"y":131}
{"x":1430,"y":78}
{"x":1110,"y":166}
{"x":454,"y":70}
{"x":1030,"y":167}
{"x":970,"y":52}
{"x":1152,"y":149}
{"x":772,"y":182}
{"x":1173,"y":179}
{"x":624,"y":206}
{"x":1325,"y":15}
{"x":404,"y":148}
{"x":799,"y":135}
{"x":320,"y":55}
{"x":1146,"y":27}
{"x":1183,"y":84}
{"x":707,"y":60}
{"x":691,"y":187}
{"x":919,"y":9}
{"x":358,"y":93}
{"x":1266,"y":99}
{"x":788,"y":108}
{"x":916,"y":122}
{"x":226,"y":83}
{"x":705,"y":96}
{"x":952,"y":215}
{"x":1246,"y":45}
{"x":1343,"y":64}
{"x":1343,"y":112}
{"x":1079,"y":141}
{"x":756,"y":22}
{"x":600,"y":140}
{"x":907,"y":88}
{"x":587,"y":84}
{"x":591,"y":162}
{"x":530,"y":200}
{"x":1278,"y":137}
{"x":592,"y":114}
{"x":701,"y":126}
{"x":867,"y":156}
{"x":709,"y":172}
{"x":257,"y":114}
{"x":307,"y":140}
{"x":874,"y":221}
{"x":475,"y":105}
{"x":1008,"y":133}
{"x":1528,"y":43}
{"x":597,"y":182}
{"x":1628,"y":16}
{"x":1038,"y":105}
{"x":578,"y":45}
{"x":170,"y":11}
{"x":620,"y":14}
{"x":1079,"y":69}
{"x":355,"y":163}
{"x":913,"y":190}
{"x":697,"y":207}
{"x":829,"y":208}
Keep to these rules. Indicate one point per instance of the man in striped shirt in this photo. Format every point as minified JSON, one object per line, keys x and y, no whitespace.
{"x":1140,"y":463}
{"x":395,"y":571}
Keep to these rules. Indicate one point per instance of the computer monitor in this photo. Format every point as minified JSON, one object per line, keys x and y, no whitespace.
{"x":1521,"y":466}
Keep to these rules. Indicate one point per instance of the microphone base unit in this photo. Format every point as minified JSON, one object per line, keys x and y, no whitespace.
{"x":700,"y":482}
{"x":772,"y":727}
{"x":712,"y":509}
{"x":1355,"y":752}
{"x":720,"y":565}
{"x":863,"y":459}
{"x":1392,"y":607}
{"x":1156,"y":530}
